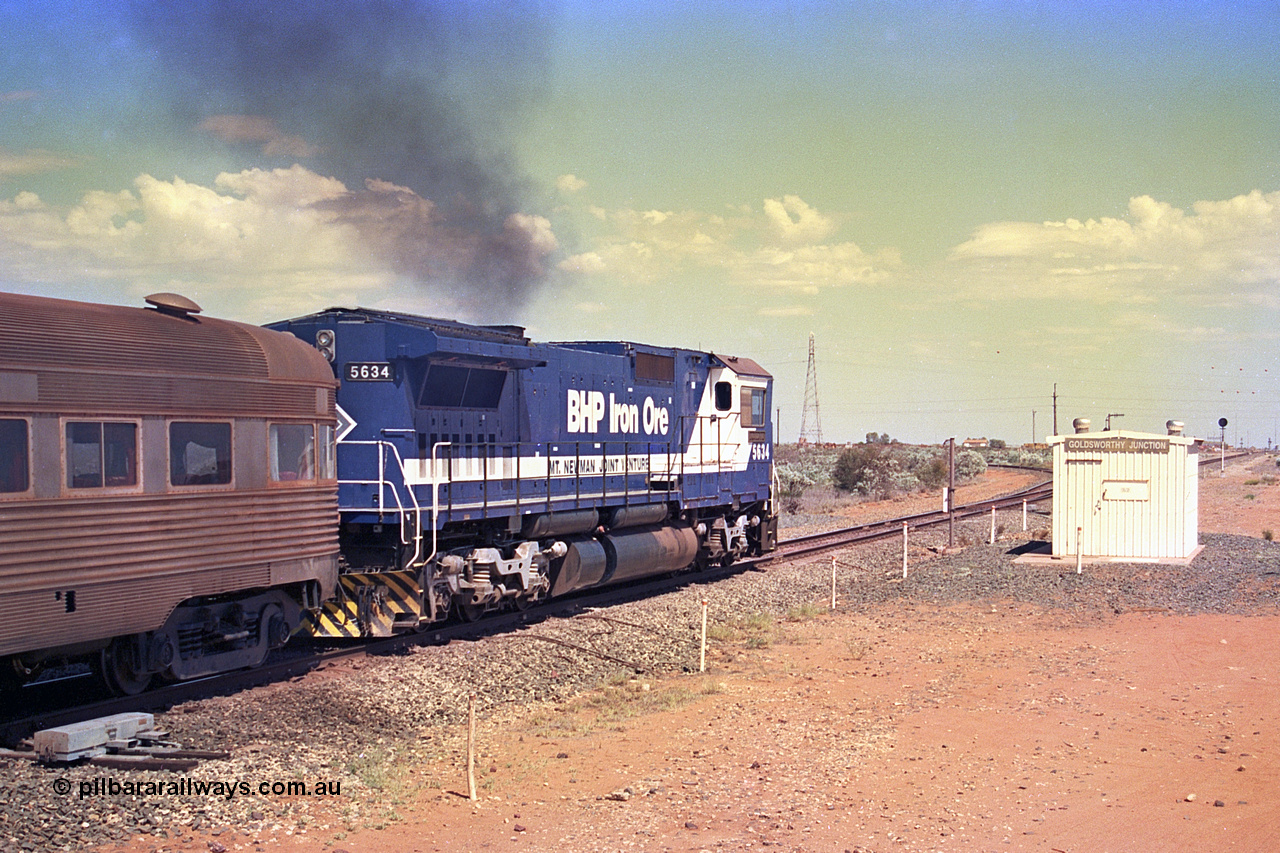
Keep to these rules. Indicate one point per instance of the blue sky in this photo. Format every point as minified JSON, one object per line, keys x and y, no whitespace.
{"x":965,"y":203}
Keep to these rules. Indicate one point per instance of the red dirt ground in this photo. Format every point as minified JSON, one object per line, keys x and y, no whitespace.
{"x":898,"y":727}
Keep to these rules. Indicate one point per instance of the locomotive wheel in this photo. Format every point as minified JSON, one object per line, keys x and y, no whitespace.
{"x":119,"y":670}
{"x":470,"y":612}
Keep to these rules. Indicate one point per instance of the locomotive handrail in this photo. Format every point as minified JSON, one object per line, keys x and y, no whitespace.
{"x":439,"y":472}
{"x":596,"y":462}
{"x":435,"y":504}
{"x":383,"y":483}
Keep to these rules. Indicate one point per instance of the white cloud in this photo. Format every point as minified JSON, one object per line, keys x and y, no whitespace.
{"x":587,"y":262}
{"x":536,"y":231}
{"x":293,"y":187}
{"x":783,"y":244}
{"x":1155,"y":250}
{"x":821,"y":265}
{"x":570,"y":184}
{"x":257,"y":243}
{"x":796,"y":222}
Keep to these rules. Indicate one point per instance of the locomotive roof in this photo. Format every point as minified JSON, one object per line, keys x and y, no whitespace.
{"x":744,"y":366}
{"x":450,"y":328}
{"x":509,"y":335}
{"x":741,"y":366}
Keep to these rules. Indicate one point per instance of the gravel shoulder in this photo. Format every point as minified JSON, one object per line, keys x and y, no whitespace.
{"x":973,"y":705}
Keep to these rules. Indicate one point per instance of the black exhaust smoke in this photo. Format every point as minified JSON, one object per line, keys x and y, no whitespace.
{"x":410,"y":104}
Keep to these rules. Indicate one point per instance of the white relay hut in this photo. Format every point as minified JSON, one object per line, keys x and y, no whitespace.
{"x":1125,"y":494}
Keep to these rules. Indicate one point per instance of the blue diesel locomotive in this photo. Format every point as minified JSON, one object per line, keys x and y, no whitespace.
{"x":479,"y":470}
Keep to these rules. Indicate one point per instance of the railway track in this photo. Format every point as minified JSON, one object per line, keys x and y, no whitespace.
{"x":817,"y":542}
{"x":813,"y":543}
{"x":44,"y":706}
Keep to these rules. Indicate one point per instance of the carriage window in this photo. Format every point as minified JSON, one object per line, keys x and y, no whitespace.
{"x":199,"y":454}
{"x":328,"y":458}
{"x":101,"y":454}
{"x":724,"y":396}
{"x":14,"y":472}
{"x":752,"y":407}
{"x":293,"y":451}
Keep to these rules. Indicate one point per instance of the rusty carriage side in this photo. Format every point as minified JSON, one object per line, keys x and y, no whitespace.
{"x":168,"y":497}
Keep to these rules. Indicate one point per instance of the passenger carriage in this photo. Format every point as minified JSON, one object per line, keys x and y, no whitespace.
{"x":167,"y":488}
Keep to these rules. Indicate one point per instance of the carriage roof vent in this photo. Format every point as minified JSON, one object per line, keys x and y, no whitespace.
{"x":173,"y":303}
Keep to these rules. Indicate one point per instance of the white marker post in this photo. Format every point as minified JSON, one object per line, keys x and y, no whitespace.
{"x":471,"y":746}
{"x":904,"y":550}
{"x":1024,"y":516}
{"x":702,"y":660}
{"x":833,"y":583}
{"x":993,"y":525}
{"x":1079,"y":558}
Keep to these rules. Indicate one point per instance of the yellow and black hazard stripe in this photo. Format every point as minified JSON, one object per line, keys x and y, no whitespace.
{"x":368,"y":605}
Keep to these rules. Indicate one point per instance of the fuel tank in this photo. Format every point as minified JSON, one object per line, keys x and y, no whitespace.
{"x":583,"y":565}
{"x":654,"y":551}
{"x":624,"y":556}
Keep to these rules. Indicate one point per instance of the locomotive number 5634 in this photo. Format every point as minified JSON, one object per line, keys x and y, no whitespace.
{"x":369,"y":371}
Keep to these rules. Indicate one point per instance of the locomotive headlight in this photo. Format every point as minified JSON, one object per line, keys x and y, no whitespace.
{"x":324,"y":343}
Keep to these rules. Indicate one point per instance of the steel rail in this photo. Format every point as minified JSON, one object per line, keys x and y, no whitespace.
{"x":14,"y":729}
{"x":19,"y":720}
{"x":813,"y":543}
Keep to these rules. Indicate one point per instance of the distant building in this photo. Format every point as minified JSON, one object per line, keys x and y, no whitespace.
{"x":975,"y":443}
{"x":1125,"y":495}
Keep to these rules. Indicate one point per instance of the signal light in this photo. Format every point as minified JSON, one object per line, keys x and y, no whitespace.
{"x":325,"y":343}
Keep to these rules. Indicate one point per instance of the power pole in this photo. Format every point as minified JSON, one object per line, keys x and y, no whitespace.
{"x":1033,"y":426}
{"x":810,"y":419}
{"x":1055,"y":408}
{"x":951,"y":492}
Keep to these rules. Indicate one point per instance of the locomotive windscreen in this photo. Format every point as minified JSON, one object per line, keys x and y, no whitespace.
{"x":448,"y":386}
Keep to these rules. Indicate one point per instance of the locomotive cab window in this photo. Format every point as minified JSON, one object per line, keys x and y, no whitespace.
{"x":15,"y":467}
{"x":724,"y":396}
{"x":752,"y":407}
{"x":101,"y":455}
{"x":199,"y":454}
{"x":292,"y":452}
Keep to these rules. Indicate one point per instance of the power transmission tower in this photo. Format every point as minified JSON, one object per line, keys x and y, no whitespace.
{"x":810,"y":420}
